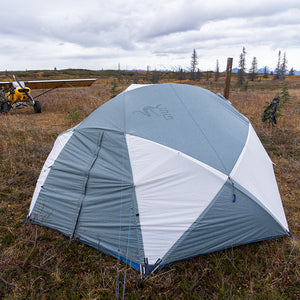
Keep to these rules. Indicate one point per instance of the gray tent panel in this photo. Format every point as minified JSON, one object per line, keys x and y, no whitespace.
{"x":180,"y":109}
{"x":162,"y":109}
{"x":91,"y":194}
{"x":177,"y":110}
{"x":109,"y":116}
{"x":109,"y":216}
{"x":225,"y":129}
{"x":224,"y":224}
{"x":65,"y":184}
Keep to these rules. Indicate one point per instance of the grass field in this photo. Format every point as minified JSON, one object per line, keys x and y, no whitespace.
{"x":39,"y":263}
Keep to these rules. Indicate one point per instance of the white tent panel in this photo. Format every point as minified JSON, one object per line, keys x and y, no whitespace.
{"x":172,"y":190}
{"x":134,"y":86}
{"x":254,"y":171}
{"x":58,"y":146}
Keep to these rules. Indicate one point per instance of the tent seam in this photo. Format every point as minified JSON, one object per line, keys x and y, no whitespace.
{"x":200,"y":217}
{"x":85,"y":182}
{"x":253,"y":198}
{"x":136,"y":207}
{"x":199,"y":128}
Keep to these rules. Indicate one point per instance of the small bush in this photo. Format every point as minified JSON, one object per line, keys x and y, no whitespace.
{"x":75,"y":116}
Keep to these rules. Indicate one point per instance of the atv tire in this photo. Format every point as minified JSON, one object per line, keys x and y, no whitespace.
{"x":5,"y":108}
{"x":37,"y":107}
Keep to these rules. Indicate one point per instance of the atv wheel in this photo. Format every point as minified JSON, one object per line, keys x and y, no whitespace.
{"x":37,"y":107}
{"x":5,"y":108}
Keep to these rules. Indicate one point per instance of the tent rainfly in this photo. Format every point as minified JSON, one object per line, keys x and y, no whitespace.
{"x":158,"y":174}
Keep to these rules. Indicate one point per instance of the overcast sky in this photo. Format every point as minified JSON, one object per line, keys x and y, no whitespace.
{"x":96,"y":34}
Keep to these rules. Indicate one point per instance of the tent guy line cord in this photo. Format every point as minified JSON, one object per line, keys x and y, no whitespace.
{"x":125,"y":273}
{"x":90,"y":95}
{"x":49,"y":90}
{"x":270,"y":140}
{"x":45,"y":92}
{"x":285,"y":171}
{"x":293,"y":236}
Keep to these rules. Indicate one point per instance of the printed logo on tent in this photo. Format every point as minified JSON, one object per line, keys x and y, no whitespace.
{"x":158,"y":110}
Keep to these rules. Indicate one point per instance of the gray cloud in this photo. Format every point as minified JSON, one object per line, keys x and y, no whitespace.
{"x":144,"y":32}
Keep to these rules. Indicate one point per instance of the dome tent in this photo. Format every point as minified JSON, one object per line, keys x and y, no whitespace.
{"x":158,"y":174}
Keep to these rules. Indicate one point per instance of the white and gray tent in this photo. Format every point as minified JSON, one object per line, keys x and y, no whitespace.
{"x":158,"y":174}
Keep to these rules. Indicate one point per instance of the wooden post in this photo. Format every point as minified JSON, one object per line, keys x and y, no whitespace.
{"x":228,"y":77}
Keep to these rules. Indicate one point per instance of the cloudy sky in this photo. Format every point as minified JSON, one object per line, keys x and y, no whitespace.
{"x":96,"y":34}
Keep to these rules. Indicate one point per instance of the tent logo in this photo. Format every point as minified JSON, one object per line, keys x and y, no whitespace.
{"x":157,"y":110}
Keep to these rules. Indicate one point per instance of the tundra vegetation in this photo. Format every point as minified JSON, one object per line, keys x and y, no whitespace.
{"x":40,"y":263}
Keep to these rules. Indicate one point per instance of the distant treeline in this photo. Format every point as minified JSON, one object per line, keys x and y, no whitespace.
{"x":132,"y":75}
{"x":140,"y":76}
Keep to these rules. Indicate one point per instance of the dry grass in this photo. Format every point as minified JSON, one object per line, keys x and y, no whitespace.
{"x":36,"y":262}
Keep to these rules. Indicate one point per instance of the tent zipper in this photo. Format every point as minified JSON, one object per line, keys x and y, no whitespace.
{"x":86,"y":179}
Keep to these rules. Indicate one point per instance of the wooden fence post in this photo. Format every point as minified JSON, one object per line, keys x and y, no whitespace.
{"x":228,"y":77}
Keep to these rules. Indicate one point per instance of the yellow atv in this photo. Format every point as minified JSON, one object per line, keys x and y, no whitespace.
{"x":15,"y":94}
{"x":19,"y":96}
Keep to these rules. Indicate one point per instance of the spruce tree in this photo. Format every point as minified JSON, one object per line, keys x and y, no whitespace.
{"x":194,"y":63}
{"x":147,"y":74}
{"x":284,"y":93}
{"x":217,"y":73}
{"x":242,"y":67}
{"x":136,"y":79}
{"x":253,"y":69}
{"x":180,"y":74}
{"x":266,"y":75}
{"x":292,"y":72}
{"x":198,"y":75}
{"x":155,"y":77}
{"x":207,"y":75}
{"x":277,"y":70}
{"x":283,"y":67}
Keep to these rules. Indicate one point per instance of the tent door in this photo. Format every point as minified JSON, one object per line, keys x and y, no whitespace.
{"x":85,"y":182}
